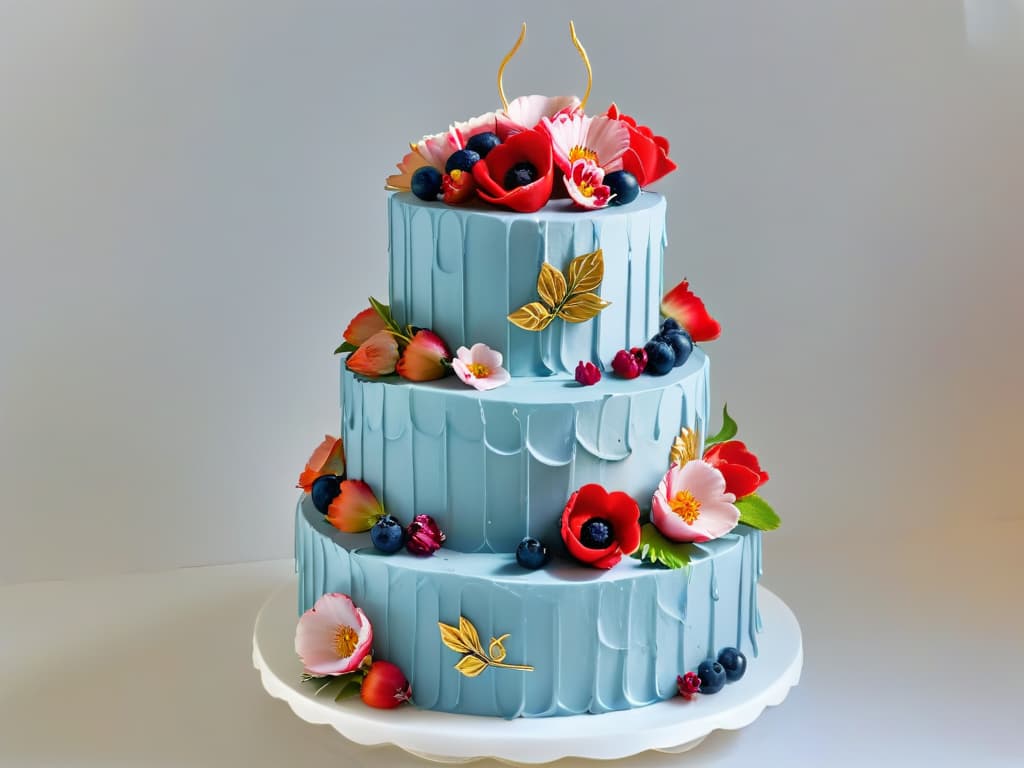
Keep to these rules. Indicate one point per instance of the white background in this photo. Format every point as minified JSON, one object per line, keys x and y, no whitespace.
{"x":191,"y":209}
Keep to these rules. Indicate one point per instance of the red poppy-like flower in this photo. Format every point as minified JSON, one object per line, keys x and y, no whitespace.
{"x":363,"y":326}
{"x":647,"y":156}
{"x":630,"y":363}
{"x":457,"y":186}
{"x":327,"y":459}
{"x":687,"y":309}
{"x":529,"y":148}
{"x":740,"y":468}
{"x":688,"y":685}
{"x":423,"y":358}
{"x":423,"y":536}
{"x":377,"y":356}
{"x":587,"y":374}
{"x":615,"y":515}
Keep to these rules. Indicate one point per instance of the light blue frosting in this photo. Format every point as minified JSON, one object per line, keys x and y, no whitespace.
{"x":598,"y":640}
{"x":461,"y":270}
{"x":493,"y":467}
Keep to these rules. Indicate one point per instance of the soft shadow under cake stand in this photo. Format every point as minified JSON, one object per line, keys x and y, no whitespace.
{"x":673,"y":726}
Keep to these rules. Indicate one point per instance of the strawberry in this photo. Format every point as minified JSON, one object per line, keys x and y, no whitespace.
{"x":384,"y":686}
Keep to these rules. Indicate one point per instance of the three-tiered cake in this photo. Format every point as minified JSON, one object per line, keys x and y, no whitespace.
{"x":571,"y":436}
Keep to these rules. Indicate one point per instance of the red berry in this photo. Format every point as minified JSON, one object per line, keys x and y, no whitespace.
{"x":688,"y":684}
{"x":587,"y":374}
{"x":630,"y":363}
{"x":385,"y":687}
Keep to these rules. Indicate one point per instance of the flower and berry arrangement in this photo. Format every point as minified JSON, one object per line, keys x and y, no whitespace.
{"x":511,"y":157}
{"x":378,"y":346}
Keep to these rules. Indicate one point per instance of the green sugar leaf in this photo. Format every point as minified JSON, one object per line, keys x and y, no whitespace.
{"x":727,"y":432}
{"x":346,"y":347}
{"x":757,"y":513}
{"x":655,"y":548}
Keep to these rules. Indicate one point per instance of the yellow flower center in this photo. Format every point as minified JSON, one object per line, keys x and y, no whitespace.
{"x":686,"y":506}
{"x":582,"y":153}
{"x":479,"y":370}
{"x":587,"y":190}
{"x":455,"y":174}
{"x":345,"y":641}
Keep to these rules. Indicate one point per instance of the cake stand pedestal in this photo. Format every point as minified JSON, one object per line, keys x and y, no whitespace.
{"x":673,"y":726}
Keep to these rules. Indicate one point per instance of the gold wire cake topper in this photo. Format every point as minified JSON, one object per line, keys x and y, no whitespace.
{"x":579,"y":47}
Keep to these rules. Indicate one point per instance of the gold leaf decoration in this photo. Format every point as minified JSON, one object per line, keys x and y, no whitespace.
{"x":582,"y":307}
{"x":450,"y":636}
{"x":471,"y":665}
{"x":571,"y":298}
{"x":551,"y":285}
{"x":469,"y":634}
{"x":684,"y":448}
{"x":532,"y":317}
{"x":465,"y":640}
{"x":587,"y":271}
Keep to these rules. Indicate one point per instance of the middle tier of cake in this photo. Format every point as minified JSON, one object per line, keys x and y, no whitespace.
{"x":494,"y":467}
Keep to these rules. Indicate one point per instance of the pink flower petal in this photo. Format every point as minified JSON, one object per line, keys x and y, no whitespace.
{"x":498,"y":377}
{"x":526,"y":111}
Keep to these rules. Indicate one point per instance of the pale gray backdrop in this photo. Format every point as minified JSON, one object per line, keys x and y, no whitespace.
{"x":191,"y":209}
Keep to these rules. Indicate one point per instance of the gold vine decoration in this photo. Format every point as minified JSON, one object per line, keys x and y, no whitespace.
{"x":466,"y":640}
{"x":569,"y":296}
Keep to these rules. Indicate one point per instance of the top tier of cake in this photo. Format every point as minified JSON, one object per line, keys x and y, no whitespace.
{"x":461,"y":270}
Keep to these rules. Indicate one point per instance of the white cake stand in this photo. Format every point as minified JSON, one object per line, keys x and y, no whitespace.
{"x":673,"y":726}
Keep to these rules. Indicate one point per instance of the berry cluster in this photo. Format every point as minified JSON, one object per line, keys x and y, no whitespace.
{"x":456,"y":185}
{"x":668,"y":349}
{"x":421,"y":537}
{"x":711,"y":676}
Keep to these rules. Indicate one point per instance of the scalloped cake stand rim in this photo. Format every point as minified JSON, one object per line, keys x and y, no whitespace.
{"x":669,"y":726}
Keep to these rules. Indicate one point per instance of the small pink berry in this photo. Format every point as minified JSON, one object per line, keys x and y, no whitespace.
{"x":688,"y":684}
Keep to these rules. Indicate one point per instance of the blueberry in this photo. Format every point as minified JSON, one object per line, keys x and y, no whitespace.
{"x":387,"y":534}
{"x":670,"y":324}
{"x":462,"y":160}
{"x":712,"y":676}
{"x":426,"y":183}
{"x":531,"y":553}
{"x":596,"y":533}
{"x":660,"y":357}
{"x":520,"y":174}
{"x":681,"y":343}
{"x":734,"y":663}
{"x":483,"y":143}
{"x":325,"y":490}
{"x":623,"y":185}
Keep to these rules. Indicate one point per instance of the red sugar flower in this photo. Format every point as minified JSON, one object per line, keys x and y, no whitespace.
{"x":683,"y":306}
{"x":531,"y":148}
{"x":741,"y":468}
{"x":647,"y":156}
{"x":600,"y":527}
{"x":423,"y":536}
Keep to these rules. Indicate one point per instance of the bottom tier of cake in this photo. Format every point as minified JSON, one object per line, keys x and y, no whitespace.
{"x":562,"y":640}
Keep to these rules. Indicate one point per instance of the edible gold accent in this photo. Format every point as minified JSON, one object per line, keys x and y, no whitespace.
{"x":465,"y":639}
{"x":684,"y":448}
{"x":586,"y":63}
{"x":506,"y":60}
{"x":569,"y":296}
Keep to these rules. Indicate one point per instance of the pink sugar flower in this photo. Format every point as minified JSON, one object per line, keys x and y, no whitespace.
{"x":480,"y":367}
{"x":333,"y":637}
{"x":691,"y":503}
